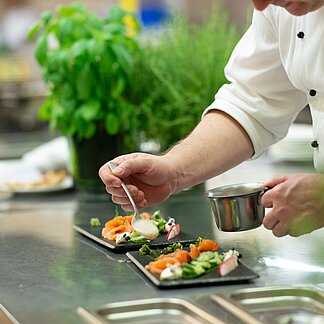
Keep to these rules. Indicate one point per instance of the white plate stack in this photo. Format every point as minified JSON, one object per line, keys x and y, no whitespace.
{"x":296,"y":146}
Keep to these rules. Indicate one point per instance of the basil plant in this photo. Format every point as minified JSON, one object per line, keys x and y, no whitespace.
{"x":86,"y":61}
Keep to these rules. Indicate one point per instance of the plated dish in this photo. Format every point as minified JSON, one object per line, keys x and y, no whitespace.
{"x":203,"y":263}
{"x":118,"y":234}
{"x":121,"y":230}
{"x":51,"y":181}
{"x":95,"y":234}
{"x":67,"y":183}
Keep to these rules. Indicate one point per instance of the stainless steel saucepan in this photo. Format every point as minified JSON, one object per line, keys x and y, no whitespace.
{"x":237,"y":207}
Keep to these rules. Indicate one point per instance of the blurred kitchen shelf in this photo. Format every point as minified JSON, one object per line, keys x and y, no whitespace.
{"x":22,"y":90}
{"x":20,"y":78}
{"x":14,"y":145}
{"x":14,"y":69}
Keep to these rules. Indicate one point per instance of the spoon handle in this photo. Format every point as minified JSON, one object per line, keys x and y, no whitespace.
{"x":113,"y":166}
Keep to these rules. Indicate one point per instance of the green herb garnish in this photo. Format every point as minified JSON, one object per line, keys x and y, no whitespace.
{"x":145,"y":250}
{"x":116,"y":212}
{"x":199,"y":239}
{"x":172,"y":248}
{"x":95,"y":222}
{"x":158,"y":221}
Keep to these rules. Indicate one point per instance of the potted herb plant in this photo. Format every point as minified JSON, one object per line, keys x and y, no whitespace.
{"x":177,"y":76}
{"x":86,"y":61}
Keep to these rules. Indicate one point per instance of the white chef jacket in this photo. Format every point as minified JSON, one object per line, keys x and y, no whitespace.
{"x":275,"y":70}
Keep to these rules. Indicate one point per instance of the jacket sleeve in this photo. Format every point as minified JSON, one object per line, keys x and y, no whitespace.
{"x":260,"y":95}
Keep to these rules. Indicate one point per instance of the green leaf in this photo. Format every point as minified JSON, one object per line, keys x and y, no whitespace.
{"x":117,"y":14}
{"x":123,"y":56}
{"x":72,"y":129}
{"x":70,"y":10}
{"x":84,"y":83}
{"x":106,"y":63}
{"x":89,"y":130}
{"x":53,"y":62}
{"x":67,"y":92}
{"x":54,"y":78}
{"x":95,"y":49}
{"x":118,"y":88}
{"x":95,"y":22}
{"x":41,"y":48}
{"x":46,"y":17}
{"x":34,"y":29}
{"x":63,"y":61}
{"x":69,"y":105}
{"x":90,"y":110}
{"x":46,"y":109}
{"x":114,"y":28}
{"x":78,"y":55}
{"x":79,"y":48}
{"x":65,"y":30}
{"x":112,"y":123}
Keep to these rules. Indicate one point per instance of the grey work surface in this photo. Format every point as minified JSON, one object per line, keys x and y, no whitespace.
{"x":48,"y":270}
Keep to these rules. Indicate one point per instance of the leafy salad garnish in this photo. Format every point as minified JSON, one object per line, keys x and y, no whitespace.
{"x":154,"y":254}
{"x":174,"y":262}
{"x":120,"y":230}
{"x":95,"y":222}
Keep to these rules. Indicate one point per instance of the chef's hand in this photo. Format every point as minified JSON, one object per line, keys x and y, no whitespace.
{"x":297,"y":203}
{"x":149,"y":178}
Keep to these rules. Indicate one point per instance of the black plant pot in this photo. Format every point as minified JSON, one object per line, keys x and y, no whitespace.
{"x":88,"y":155}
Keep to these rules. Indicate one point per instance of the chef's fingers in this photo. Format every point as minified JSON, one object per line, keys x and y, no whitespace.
{"x":120,"y":192}
{"x":270,"y":220}
{"x":280,"y":229}
{"x":297,"y":232}
{"x":267,"y":200}
{"x":129,"y":207}
{"x":107,"y":177}
{"x":121,"y":199}
{"x":276,"y":180}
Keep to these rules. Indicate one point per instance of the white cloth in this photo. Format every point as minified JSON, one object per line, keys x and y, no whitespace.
{"x":272,"y":71}
{"x":53,"y":155}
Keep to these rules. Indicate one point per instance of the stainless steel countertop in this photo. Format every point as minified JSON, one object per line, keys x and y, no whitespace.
{"x":48,"y":270}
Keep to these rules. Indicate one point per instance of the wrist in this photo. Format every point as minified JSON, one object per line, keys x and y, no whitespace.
{"x":178,"y":176}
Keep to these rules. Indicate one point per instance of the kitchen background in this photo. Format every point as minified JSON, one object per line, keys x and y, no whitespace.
{"x":22,"y":90}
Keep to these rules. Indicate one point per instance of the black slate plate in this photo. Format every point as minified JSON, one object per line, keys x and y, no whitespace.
{"x":240,"y":274}
{"x":94,"y":233}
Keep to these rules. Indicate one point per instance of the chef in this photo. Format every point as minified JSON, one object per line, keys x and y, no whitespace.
{"x":275,"y":70}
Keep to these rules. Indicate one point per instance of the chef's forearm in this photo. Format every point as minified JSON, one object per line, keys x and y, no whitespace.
{"x":217,"y":144}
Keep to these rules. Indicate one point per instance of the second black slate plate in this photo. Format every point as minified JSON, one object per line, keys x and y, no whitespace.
{"x":94,"y":233}
{"x":240,"y":274}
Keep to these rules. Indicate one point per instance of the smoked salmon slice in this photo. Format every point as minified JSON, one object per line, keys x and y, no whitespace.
{"x":207,"y":245}
{"x":179,"y":256}
{"x":118,"y":225}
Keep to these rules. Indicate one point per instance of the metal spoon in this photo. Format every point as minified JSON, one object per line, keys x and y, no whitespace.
{"x":141,"y":225}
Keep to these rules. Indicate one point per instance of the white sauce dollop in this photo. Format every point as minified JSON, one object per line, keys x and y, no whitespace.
{"x":172,"y":271}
